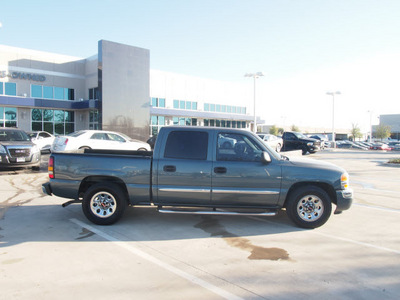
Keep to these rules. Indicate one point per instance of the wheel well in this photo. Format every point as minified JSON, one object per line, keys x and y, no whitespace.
{"x":91,"y":180}
{"x":326,"y":187}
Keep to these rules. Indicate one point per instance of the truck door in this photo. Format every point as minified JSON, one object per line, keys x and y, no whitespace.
{"x":239,"y":177}
{"x":291,"y":142}
{"x":183,"y":171}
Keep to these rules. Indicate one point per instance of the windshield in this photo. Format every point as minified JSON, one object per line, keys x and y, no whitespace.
{"x":300,"y":135}
{"x":13,"y":135}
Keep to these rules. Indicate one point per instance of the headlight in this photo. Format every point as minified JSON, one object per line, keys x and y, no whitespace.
{"x":344,"y":181}
{"x":2,"y":149}
{"x":310,"y":144}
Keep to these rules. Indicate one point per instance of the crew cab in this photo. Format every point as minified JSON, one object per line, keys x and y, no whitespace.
{"x":193,"y":170}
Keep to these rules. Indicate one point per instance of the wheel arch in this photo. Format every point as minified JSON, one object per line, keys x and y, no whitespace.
{"x":91,"y":180}
{"x":324,"y":186}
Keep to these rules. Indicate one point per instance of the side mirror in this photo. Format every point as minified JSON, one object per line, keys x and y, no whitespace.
{"x":265,"y":158}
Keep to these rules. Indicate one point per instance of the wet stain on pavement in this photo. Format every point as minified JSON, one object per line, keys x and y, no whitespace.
{"x":85,"y":234}
{"x":213,"y":227}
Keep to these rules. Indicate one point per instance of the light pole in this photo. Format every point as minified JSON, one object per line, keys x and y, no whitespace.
{"x":370,"y":125}
{"x":255,"y":76}
{"x":333,"y":115}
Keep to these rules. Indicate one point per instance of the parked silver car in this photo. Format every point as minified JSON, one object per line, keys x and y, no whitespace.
{"x":273,"y":141}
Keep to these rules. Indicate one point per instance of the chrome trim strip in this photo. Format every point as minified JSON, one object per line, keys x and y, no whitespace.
{"x":181,"y":190}
{"x":262,"y":192}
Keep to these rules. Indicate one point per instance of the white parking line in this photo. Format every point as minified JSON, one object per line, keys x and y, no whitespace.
{"x":334,"y":237}
{"x":158,"y":262}
{"x":356,"y":242}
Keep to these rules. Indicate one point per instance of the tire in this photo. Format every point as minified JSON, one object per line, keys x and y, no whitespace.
{"x":309,"y":206}
{"x":304,"y":150}
{"x":104,"y":203}
{"x":278,"y":148}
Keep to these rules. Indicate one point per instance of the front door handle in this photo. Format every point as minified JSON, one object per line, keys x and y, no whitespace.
{"x":169,"y":168}
{"x":220,"y":170}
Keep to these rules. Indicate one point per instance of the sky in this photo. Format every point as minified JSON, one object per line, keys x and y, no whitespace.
{"x":305,"y":48}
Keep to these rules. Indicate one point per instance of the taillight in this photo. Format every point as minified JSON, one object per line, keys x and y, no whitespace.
{"x":50,"y":167}
{"x":66,"y":141}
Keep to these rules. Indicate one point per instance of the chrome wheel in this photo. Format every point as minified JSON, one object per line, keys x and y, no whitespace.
{"x":310,"y":208}
{"x":103,"y":204}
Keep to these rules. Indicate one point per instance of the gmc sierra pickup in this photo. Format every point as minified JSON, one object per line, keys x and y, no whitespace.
{"x":200,"y":170}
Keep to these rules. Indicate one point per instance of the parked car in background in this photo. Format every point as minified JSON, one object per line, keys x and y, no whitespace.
{"x":42,"y":139}
{"x":97,"y":139}
{"x":273,"y":141}
{"x":380,"y":146}
{"x":350,"y":145}
{"x":298,"y":141}
{"x":323,"y":138}
{"x":17,"y":149}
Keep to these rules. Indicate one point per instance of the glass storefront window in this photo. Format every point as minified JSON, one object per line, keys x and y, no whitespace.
{"x":48,"y":92}
{"x":176,"y":103}
{"x":36,"y":91}
{"x":59,"y":93}
{"x":48,"y":115}
{"x":161,"y":102}
{"x":1,"y":88}
{"x":182,"y":104}
{"x":36,"y":114}
{"x":10,"y":89}
{"x":194,"y":105}
{"x":59,"y":116}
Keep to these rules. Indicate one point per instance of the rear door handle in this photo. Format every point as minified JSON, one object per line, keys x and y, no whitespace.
{"x":220,"y":170}
{"x":169,"y":169}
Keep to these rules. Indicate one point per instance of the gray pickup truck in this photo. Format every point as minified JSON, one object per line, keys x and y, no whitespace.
{"x":200,"y":170}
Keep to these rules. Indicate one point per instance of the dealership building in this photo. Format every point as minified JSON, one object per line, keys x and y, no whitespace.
{"x":112,"y":90}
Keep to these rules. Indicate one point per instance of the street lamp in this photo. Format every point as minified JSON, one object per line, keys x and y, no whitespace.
{"x":333,"y":114}
{"x":370,"y":125}
{"x":255,"y":76}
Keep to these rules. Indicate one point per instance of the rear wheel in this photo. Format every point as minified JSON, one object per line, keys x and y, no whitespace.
{"x":309,"y":207}
{"x":104,"y":203}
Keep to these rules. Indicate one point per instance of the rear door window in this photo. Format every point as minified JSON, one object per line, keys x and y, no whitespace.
{"x":187,"y":145}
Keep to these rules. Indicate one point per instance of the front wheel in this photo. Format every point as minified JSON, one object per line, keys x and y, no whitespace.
{"x":104,"y":203}
{"x":309,"y":207}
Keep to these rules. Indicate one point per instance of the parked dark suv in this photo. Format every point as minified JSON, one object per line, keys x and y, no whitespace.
{"x":298,"y":141}
{"x":17,"y":149}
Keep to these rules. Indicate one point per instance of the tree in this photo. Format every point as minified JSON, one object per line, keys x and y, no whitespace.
{"x":274,"y":130}
{"x":294,"y":128}
{"x":356,"y":132}
{"x":383,"y":131}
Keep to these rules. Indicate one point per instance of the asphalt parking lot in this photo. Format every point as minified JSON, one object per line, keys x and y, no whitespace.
{"x":50,"y":252}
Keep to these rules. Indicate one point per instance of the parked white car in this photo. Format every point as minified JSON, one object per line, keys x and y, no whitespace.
{"x":273,"y":141}
{"x":97,"y":139}
{"x":42,"y":139}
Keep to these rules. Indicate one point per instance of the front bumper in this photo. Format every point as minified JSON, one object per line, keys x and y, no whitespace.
{"x":29,"y":161}
{"x":344,"y":199}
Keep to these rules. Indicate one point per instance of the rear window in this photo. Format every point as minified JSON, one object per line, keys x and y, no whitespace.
{"x":187,"y":145}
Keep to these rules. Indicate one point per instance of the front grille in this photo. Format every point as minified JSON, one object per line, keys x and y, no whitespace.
{"x":19,"y":152}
